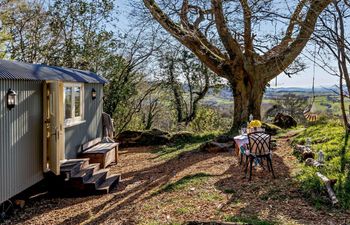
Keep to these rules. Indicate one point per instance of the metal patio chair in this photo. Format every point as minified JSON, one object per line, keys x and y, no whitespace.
{"x":259,"y":149}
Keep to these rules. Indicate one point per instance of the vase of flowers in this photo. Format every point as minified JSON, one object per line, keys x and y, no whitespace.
{"x":254,"y":125}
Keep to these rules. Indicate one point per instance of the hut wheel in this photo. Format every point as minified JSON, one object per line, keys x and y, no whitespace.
{"x":6,"y":208}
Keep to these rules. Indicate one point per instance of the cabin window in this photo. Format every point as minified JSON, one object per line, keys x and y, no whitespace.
{"x":73,"y":104}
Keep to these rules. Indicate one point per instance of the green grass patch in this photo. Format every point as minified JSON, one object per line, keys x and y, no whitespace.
{"x":184,"y":210}
{"x":252,"y":220}
{"x":331,"y":139}
{"x":210,"y":196}
{"x":182,"y":146}
{"x":189,"y":180}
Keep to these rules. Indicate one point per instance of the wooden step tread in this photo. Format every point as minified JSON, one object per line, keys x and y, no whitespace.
{"x":110,"y":182}
{"x":90,"y":169}
{"x":100,"y":174}
{"x":72,"y":164}
{"x":101,"y":148}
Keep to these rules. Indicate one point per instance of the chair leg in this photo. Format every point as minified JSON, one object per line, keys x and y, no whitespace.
{"x":251,"y":168}
{"x":270,"y":161}
{"x":262,"y":163}
{"x":240,"y":162}
{"x":246,"y":166}
{"x":268,"y":165}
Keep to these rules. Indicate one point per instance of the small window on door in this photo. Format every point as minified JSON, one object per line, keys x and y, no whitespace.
{"x":73,"y":104}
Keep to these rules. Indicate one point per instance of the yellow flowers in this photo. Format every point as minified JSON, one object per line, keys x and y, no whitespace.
{"x":254,"y":123}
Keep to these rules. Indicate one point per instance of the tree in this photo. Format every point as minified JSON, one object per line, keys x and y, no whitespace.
{"x":73,"y":34}
{"x":292,"y":105}
{"x":188,"y":80}
{"x":70,"y":33}
{"x":4,"y":38}
{"x":211,"y":30}
{"x":129,"y":86}
{"x":333,"y":41}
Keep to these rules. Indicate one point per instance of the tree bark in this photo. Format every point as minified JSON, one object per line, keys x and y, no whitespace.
{"x":247,"y":97}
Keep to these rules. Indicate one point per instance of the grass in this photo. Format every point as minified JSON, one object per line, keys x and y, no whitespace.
{"x":186,"y":181}
{"x":182,"y":146}
{"x":184,"y":210}
{"x":252,"y":220}
{"x":328,"y":137}
{"x":210,"y":196}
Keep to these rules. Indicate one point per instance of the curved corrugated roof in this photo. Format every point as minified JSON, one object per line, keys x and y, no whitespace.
{"x":14,"y":70}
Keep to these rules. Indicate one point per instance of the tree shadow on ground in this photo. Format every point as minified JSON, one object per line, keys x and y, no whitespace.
{"x":266,"y":196}
{"x":144,"y":182}
{"x":139,"y":184}
{"x":238,"y":185}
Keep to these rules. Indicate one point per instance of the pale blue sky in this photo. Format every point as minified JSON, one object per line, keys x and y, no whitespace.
{"x":303,"y":79}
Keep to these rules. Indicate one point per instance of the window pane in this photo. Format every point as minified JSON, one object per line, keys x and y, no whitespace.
{"x":77,"y":101}
{"x":68,"y":102}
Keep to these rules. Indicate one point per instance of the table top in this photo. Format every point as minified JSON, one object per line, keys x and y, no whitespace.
{"x":241,"y":137}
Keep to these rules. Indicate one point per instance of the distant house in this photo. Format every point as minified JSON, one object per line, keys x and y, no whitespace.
{"x":46,"y":114}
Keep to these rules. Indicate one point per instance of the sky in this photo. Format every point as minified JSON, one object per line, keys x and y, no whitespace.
{"x":302,"y":79}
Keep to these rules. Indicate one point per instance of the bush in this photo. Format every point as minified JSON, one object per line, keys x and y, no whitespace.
{"x":208,"y":119}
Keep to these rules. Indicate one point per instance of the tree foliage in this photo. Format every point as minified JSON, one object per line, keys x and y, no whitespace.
{"x":227,"y":37}
{"x":81,"y":34}
{"x":188,"y":80}
{"x":334,"y":45}
{"x":62,"y":33}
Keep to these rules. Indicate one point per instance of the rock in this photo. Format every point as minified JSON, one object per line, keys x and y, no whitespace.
{"x":271,"y":128}
{"x":215,"y":147}
{"x":129,"y":134}
{"x":181,"y":136}
{"x":157,"y":132}
{"x":223,"y":139}
{"x":143,"y":138}
{"x":284,"y":121}
{"x":154,"y":137}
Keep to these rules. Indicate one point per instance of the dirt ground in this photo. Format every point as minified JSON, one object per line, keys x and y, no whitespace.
{"x":139,"y":198}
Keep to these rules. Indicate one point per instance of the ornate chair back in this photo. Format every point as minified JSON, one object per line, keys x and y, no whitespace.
{"x":259,"y":143}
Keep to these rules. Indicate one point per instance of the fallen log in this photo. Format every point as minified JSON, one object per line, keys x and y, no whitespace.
{"x":300,"y":148}
{"x":308,"y":156}
{"x":312,"y":162}
{"x":304,"y":151}
{"x":328,"y":184}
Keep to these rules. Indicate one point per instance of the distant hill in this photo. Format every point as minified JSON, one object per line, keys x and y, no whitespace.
{"x":302,"y":89}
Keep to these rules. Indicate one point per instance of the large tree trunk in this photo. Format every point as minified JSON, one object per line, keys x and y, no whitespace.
{"x":247,"y":99}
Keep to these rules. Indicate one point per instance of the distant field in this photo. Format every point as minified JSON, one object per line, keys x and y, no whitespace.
{"x":326,"y":101}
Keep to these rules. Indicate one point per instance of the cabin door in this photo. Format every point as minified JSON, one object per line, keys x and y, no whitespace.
{"x":54,"y":126}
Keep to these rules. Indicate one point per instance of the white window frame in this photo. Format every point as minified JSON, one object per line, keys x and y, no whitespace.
{"x":75,"y":120}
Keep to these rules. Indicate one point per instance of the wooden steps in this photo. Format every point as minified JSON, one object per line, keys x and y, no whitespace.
{"x":108,"y":184}
{"x":81,"y":177}
{"x":98,"y":152}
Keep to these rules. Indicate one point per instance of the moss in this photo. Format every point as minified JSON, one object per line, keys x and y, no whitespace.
{"x":271,"y":128}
